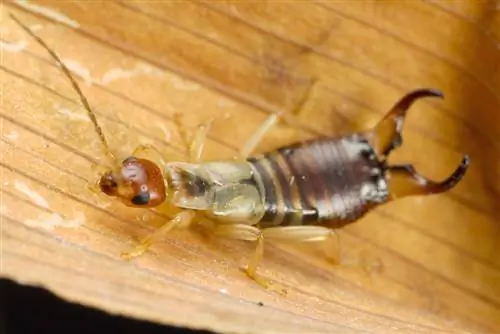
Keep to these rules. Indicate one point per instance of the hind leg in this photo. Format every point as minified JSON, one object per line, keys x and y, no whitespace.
{"x":289,"y":233}
{"x":315,"y":234}
{"x":250,"y":233}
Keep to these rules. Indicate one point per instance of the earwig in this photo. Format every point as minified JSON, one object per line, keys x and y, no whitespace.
{"x":300,"y":192}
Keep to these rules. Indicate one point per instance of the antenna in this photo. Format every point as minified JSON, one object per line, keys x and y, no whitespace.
{"x":83,"y":99}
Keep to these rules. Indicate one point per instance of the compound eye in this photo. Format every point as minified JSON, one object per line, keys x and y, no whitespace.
{"x":141,"y":199}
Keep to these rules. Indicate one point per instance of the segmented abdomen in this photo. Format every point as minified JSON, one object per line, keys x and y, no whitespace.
{"x":321,"y":180}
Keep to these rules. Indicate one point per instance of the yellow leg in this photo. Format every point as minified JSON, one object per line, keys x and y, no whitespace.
{"x":198,"y":143}
{"x":254,"y":140}
{"x":93,"y":185}
{"x":182,"y":131}
{"x":149,"y":152}
{"x":250,"y":233}
{"x":182,"y":219}
{"x":317,"y":234}
{"x":194,"y":147}
{"x":310,"y":234}
{"x":298,"y":233}
{"x":99,"y":169}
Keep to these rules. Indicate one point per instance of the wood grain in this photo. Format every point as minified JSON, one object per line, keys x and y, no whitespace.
{"x":332,"y":67}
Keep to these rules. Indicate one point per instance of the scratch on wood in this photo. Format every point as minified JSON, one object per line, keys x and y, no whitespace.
{"x":120,"y":73}
{"x":51,"y":221}
{"x":47,"y":12}
{"x":183,"y":84}
{"x":33,"y":195}
{"x":13,"y":46}
{"x":13,"y":135}
{"x":70,"y":114}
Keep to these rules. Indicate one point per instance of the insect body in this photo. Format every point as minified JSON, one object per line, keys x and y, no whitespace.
{"x":334,"y":180}
{"x":300,"y":192}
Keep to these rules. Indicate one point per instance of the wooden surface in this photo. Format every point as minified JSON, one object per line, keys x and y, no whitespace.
{"x":346,"y":63}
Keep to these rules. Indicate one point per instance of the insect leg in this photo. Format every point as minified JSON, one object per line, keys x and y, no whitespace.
{"x":145,"y":150}
{"x":182,"y":131}
{"x":257,"y":136}
{"x":198,"y":142}
{"x":303,"y":234}
{"x":194,"y":146}
{"x":250,"y":233}
{"x":182,"y":219}
{"x":311,"y":234}
{"x":93,"y":184}
{"x":298,"y":233}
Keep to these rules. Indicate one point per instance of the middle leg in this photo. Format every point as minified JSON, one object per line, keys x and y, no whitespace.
{"x":257,"y":136}
{"x":196,"y":145}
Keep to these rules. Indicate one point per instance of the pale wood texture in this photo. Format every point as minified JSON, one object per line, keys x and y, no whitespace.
{"x":346,"y":62}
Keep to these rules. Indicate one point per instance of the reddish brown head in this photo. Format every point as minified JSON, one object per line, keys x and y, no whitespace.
{"x":138,"y":183}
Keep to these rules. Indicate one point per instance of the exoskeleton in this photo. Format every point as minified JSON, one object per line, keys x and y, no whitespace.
{"x":301,"y":192}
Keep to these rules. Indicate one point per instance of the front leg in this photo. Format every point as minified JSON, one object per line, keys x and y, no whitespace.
{"x":151,"y":153}
{"x":182,"y":219}
{"x":194,"y":146}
